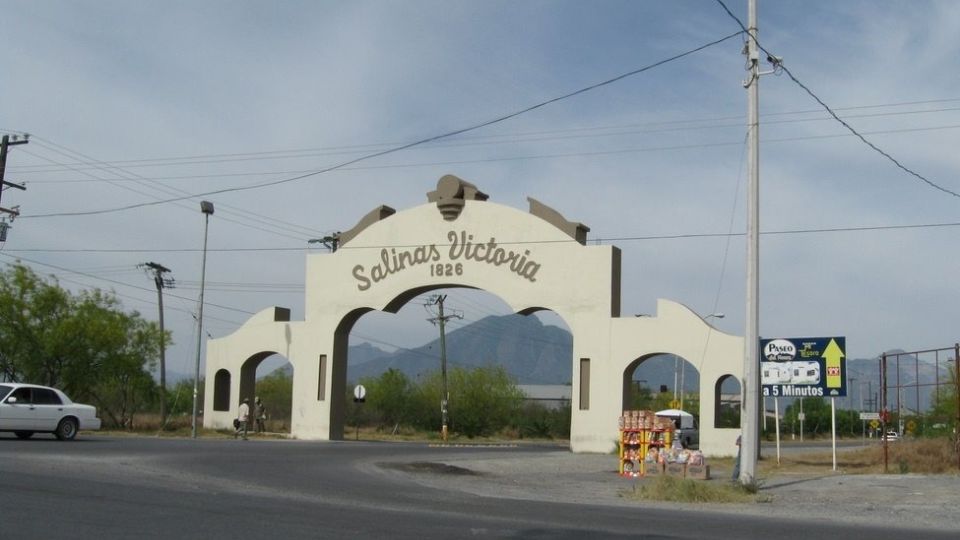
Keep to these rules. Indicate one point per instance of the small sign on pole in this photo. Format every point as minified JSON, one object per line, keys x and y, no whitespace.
{"x":359,"y":394}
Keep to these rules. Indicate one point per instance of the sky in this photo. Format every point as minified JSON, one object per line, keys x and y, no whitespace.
{"x":153,"y":106}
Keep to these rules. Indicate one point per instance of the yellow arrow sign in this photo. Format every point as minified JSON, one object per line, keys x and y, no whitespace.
{"x":833,"y":354}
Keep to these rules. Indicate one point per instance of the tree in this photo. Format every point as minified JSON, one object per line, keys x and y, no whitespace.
{"x":389,"y":398}
{"x":276,"y":391}
{"x":816,"y":412}
{"x":84,"y":344}
{"x":943,"y":408}
{"x":483,"y":400}
{"x":32,"y":312}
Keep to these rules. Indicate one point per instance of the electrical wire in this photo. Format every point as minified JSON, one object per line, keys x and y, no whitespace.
{"x":607,"y":240}
{"x":835,"y":116}
{"x":524,"y":137}
{"x":130,"y":176}
{"x":62,"y":269}
{"x":403,"y":146}
{"x":531,"y":156}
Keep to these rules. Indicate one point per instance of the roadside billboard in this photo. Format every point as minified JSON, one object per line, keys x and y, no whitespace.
{"x":803,"y":367}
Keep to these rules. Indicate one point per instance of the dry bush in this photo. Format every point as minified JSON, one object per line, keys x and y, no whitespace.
{"x":922,"y":456}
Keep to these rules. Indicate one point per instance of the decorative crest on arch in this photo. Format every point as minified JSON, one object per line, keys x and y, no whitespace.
{"x":450,"y":195}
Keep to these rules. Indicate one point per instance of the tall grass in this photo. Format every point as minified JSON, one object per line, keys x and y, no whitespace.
{"x":922,"y":456}
{"x":672,"y":489}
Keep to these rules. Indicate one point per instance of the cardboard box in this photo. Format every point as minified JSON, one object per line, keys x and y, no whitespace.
{"x":698,"y":472}
{"x":676,"y":469}
{"x":653,"y":469}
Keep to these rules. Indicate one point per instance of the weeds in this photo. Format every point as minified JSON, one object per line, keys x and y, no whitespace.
{"x":920,"y":456}
{"x":671,"y":489}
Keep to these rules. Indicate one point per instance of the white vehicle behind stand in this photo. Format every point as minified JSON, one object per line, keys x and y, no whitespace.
{"x":685,"y":427}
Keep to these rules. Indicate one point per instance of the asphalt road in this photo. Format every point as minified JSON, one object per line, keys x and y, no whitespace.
{"x":104,"y":487}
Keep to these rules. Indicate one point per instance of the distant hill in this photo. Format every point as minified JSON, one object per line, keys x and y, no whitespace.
{"x":529,"y":350}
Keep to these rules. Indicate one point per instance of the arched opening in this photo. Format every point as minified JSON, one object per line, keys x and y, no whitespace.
{"x":507,"y":373}
{"x":221,"y":390}
{"x":274,"y":390}
{"x":728,"y":396}
{"x":660,"y":382}
{"x":268,"y":377}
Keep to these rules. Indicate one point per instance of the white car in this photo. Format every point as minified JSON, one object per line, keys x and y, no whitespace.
{"x":26,"y":409}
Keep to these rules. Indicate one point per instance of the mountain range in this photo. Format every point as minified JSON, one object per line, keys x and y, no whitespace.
{"x":534,"y":353}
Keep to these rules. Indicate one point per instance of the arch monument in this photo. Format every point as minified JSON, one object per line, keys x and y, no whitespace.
{"x":535,"y":260}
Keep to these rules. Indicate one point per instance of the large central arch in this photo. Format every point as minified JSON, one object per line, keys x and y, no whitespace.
{"x":533,"y":261}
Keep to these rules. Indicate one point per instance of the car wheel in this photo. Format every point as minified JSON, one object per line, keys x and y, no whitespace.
{"x":67,"y":429}
{"x":23,"y":434}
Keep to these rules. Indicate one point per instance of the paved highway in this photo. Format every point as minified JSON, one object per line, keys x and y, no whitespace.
{"x":118,"y":487}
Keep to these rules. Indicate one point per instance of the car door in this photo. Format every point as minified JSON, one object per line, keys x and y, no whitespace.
{"x":48,"y":409}
{"x":16,"y":411}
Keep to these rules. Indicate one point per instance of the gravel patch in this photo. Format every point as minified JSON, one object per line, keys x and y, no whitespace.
{"x":892,"y":500}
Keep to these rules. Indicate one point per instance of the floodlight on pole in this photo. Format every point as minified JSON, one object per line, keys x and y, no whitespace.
{"x":207,"y":208}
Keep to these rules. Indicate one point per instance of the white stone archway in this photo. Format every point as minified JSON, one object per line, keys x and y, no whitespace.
{"x":533,"y":261}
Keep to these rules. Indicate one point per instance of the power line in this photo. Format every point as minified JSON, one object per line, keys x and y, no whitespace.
{"x":135,"y":298}
{"x":533,"y":136}
{"x":130,"y":176}
{"x":582,"y":154}
{"x":779,"y":65}
{"x":101,"y":278}
{"x":403,"y":146}
{"x":822,"y":230}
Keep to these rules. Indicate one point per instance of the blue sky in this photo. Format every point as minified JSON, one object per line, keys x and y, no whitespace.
{"x":245,"y":92}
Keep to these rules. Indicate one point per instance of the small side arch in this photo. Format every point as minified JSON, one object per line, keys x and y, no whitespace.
{"x":221,"y":390}
{"x":727,"y":394}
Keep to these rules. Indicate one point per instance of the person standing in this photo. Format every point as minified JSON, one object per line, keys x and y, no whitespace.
{"x":736,"y":463}
{"x":243,"y":415}
{"x":259,"y":415}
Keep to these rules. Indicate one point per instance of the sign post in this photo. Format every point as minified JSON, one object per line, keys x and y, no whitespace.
{"x":359,"y":396}
{"x":805,"y":367}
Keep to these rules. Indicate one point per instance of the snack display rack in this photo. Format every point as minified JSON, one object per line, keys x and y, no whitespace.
{"x":641,"y":431}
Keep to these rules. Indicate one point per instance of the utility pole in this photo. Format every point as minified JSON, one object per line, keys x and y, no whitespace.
{"x":441,"y":320}
{"x":161,"y":282}
{"x":749,"y":416}
{"x":14,"y":211}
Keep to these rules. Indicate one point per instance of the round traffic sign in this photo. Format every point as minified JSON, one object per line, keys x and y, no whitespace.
{"x":359,"y":392}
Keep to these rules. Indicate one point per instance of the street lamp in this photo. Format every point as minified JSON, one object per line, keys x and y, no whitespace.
{"x":207,"y":208}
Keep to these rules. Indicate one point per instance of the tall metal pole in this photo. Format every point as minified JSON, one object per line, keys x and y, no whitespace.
{"x":749,"y":414}
{"x":445,"y":396}
{"x":207,"y":208}
{"x":956,"y":388}
{"x":676,"y":375}
{"x":441,"y":319}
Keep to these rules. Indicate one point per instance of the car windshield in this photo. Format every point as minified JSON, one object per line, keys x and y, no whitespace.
{"x":4,"y":390}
